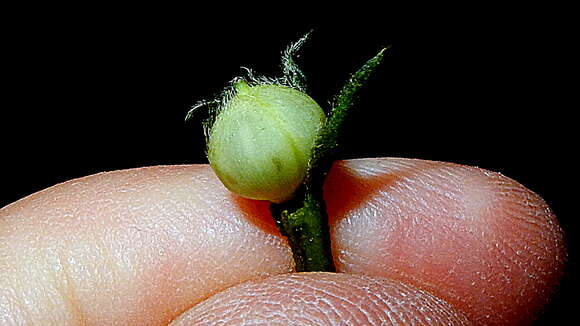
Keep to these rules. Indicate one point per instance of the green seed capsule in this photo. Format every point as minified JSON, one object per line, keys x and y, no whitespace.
{"x":261,"y":141}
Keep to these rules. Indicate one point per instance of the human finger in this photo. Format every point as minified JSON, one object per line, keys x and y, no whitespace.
{"x":475,"y":238}
{"x":322,"y":299}
{"x":131,"y":247}
{"x":341,"y":203}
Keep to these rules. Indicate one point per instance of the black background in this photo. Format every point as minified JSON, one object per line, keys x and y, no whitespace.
{"x":96,"y":89}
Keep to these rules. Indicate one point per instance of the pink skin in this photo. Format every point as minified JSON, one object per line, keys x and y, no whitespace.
{"x":475,"y":238}
{"x":322,"y":299}
{"x":142,"y":246}
{"x":133,"y":247}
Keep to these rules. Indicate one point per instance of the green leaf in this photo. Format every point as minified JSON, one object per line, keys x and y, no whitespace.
{"x":327,"y":144}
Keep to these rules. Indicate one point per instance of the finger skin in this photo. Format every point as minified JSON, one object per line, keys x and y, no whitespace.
{"x":322,"y":299}
{"x":132,"y":247}
{"x":138,"y":247}
{"x":477,"y":239}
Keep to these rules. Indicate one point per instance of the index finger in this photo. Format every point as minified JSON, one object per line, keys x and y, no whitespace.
{"x":131,"y":247}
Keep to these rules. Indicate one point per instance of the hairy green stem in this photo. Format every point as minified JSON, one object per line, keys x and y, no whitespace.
{"x":303,"y":220}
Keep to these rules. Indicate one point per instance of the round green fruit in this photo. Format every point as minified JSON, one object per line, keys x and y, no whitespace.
{"x":261,"y":141}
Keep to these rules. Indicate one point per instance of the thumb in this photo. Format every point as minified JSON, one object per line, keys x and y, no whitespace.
{"x":322,"y":299}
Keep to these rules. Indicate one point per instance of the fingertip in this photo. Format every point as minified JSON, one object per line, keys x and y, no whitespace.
{"x":479,"y":240}
{"x":322,"y":299}
{"x":133,"y":247}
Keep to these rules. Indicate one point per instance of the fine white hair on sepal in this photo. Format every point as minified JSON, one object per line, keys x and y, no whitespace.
{"x":294,"y":76}
{"x":196,"y":106}
{"x":213,"y":107}
{"x":253,"y":79}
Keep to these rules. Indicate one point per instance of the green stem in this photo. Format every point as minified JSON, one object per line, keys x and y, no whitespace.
{"x":303,"y":220}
